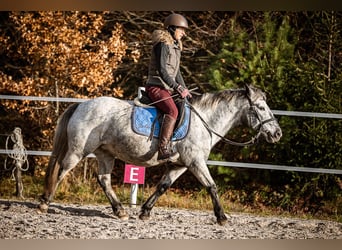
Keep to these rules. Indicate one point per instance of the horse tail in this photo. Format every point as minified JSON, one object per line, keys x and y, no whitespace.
{"x":59,"y":150}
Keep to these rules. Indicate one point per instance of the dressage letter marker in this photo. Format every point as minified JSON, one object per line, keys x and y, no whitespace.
{"x":134,"y":175}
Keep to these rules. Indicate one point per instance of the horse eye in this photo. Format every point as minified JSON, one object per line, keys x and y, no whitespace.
{"x":261,"y":108}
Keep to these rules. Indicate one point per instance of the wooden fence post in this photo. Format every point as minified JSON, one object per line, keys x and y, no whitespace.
{"x":19,"y":156}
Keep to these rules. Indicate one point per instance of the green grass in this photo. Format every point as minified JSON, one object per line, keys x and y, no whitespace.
{"x":79,"y":191}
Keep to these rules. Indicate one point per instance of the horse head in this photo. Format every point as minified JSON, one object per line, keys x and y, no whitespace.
{"x":260,"y":116}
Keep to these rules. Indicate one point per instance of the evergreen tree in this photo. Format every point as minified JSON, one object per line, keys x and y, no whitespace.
{"x":274,"y":56}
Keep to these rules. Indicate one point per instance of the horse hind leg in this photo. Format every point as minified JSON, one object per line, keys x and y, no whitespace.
{"x":58,"y":158}
{"x":106,"y":163}
{"x":49,"y":184}
{"x":55,"y":174}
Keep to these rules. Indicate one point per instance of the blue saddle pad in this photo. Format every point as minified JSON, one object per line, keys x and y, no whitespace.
{"x":145,"y":118}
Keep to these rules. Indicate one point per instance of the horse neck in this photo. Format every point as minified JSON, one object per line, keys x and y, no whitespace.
{"x":225,"y":114}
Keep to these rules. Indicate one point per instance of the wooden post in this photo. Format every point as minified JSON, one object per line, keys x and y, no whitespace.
{"x":19,"y":182}
{"x":19,"y":156}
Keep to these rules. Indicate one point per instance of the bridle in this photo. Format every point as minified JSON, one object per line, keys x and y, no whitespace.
{"x":253,"y":109}
{"x":253,"y":140}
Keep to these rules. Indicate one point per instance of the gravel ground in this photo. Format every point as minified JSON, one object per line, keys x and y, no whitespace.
{"x":21,"y":220}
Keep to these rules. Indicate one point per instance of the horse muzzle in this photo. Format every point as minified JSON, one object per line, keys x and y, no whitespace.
{"x":273,"y":136}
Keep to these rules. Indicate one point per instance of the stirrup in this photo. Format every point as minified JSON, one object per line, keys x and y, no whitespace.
{"x":165,"y":153}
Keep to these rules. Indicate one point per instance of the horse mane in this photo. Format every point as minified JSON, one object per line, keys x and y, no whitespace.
{"x":211,"y":100}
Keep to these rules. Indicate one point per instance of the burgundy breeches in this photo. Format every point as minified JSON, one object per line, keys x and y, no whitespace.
{"x":167,"y":106}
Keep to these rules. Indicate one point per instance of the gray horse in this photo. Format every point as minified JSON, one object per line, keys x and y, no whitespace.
{"x":103,"y":126}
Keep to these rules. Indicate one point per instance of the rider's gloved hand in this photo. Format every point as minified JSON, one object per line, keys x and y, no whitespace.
{"x":183,"y":92}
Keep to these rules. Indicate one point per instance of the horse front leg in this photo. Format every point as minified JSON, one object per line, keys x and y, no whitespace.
{"x":106,"y":163}
{"x":169,"y":177}
{"x":201,"y":171}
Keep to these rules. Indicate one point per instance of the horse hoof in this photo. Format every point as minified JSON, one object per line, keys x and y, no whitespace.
{"x":43,"y":207}
{"x":143,"y":216}
{"x":122,"y":214}
{"x":222,"y":221}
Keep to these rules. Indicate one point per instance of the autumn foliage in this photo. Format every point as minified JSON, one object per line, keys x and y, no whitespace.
{"x":295,"y":57}
{"x":65,"y":53}
{"x":57,"y":54}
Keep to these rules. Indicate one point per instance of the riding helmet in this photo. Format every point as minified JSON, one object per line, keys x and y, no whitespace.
{"x":176,"y":20}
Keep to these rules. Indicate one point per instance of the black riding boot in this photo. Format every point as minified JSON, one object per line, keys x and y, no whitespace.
{"x":166,"y":132}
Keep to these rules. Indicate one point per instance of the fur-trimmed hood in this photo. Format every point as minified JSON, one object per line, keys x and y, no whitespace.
{"x":165,"y":37}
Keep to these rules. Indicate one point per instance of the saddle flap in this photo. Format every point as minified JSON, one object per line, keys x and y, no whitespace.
{"x":145,"y":122}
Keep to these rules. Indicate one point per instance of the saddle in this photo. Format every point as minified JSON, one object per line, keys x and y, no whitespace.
{"x":146,"y":118}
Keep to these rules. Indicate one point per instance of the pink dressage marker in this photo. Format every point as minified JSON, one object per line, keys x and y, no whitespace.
{"x":134,"y":174}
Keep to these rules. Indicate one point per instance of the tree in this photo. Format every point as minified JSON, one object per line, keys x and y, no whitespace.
{"x":294,"y":58}
{"x":61,"y":54}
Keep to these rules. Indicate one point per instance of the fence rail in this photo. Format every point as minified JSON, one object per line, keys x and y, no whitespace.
{"x":216,"y":163}
{"x":224,"y":163}
{"x":64,"y":99}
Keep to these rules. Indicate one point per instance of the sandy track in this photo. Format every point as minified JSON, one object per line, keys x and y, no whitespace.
{"x":20,"y":220}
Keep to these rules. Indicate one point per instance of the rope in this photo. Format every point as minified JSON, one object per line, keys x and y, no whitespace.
{"x":19,"y":153}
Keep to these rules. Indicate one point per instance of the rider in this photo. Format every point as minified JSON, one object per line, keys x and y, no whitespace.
{"x":165,"y":78}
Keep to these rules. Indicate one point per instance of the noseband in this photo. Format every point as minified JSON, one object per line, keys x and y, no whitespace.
{"x":253,"y":109}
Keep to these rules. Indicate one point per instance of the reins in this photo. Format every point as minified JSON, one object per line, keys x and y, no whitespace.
{"x":166,"y":98}
{"x":241,"y":144}
{"x":252,"y":141}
